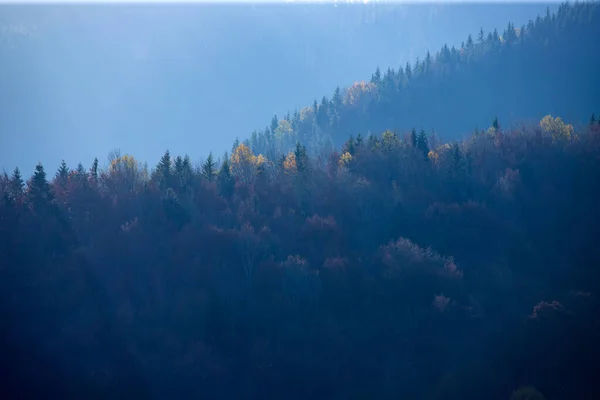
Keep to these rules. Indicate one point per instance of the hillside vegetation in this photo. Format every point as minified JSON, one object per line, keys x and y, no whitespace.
{"x":395,"y":265}
{"x":520,"y":74}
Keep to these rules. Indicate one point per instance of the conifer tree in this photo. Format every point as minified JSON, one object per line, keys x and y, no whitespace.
{"x":301,"y":157}
{"x":39,"y":192}
{"x":164,"y":171}
{"x":413,"y":138}
{"x":422,"y":143}
{"x":17,"y":184}
{"x":81,"y":175}
{"x":376,"y":77}
{"x":495,"y":124}
{"x":225,"y":178}
{"x":94,"y":171}
{"x":209,"y":168}
{"x":62,"y":175}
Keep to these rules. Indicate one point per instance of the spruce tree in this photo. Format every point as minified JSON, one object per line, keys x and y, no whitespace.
{"x":422,"y":143}
{"x":39,"y":192}
{"x":62,"y":175}
{"x":81,"y":175}
{"x":209,"y":168}
{"x":164,"y":171}
{"x":495,"y":124}
{"x":17,"y":184}
{"x":301,"y":157}
{"x":225,"y":179}
{"x":94,"y":171}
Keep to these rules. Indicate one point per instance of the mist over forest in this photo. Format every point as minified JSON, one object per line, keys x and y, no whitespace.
{"x":300,"y":201}
{"x":84,"y":80}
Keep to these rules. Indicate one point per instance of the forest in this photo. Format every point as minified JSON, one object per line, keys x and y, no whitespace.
{"x":521,"y":74}
{"x":385,"y":264}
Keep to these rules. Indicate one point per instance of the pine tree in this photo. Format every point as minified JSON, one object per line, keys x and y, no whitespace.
{"x":413,"y":138}
{"x":376,"y":77}
{"x":349,"y":145}
{"x":62,"y":175}
{"x":81,"y":175}
{"x":481,"y":36}
{"x":408,"y":71}
{"x":359,"y":140}
{"x":274,"y":125}
{"x":225,"y":179}
{"x":422,"y":143}
{"x":427,"y":62}
{"x":495,"y":124}
{"x":236,"y":142}
{"x":209,"y":168}
{"x":301,"y":157}
{"x":178,"y":165}
{"x":469,"y":42}
{"x":593,"y":119}
{"x":39,"y":192}
{"x":164,"y":171}
{"x":17,"y":184}
{"x":94,"y":171}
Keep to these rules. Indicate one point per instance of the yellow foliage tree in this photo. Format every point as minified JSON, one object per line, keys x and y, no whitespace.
{"x":124,"y":172}
{"x":360,"y":91}
{"x":244,"y":164}
{"x":289,"y":164}
{"x":345,"y":160}
{"x":560,"y":131}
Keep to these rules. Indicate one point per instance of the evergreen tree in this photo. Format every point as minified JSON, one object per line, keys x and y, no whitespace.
{"x":349,"y":145}
{"x":81,"y":175}
{"x":408,"y":71}
{"x":469,"y":42}
{"x":481,"y":36}
{"x":39,"y":192}
{"x":495,"y":36}
{"x":209,"y":168}
{"x":413,"y":138}
{"x":422,"y":143}
{"x":164,"y":171}
{"x":359,"y":140}
{"x":593,"y":119}
{"x":17,"y":184}
{"x":226,"y":182}
{"x":94,"y":171}
{"x":427,"y":62}
{"x":178,"y":166}
{"x":301,"y":157}
{"x":376,"y":77}
{"x":62,"y":175}
{"x":274,"y":125}
{"x":236,"y":142}
{"x":495,"y":124}
{"x":187,"y":172}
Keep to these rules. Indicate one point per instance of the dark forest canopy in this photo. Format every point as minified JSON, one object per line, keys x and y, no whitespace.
{"x":399,"y":266}
{"x":393,"y":265}
{"x":518,"y":74}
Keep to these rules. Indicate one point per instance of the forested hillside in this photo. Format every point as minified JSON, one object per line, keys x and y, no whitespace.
{"x":522,"y":73}
{"x":395,"y":265}
{"x":77,"y":81}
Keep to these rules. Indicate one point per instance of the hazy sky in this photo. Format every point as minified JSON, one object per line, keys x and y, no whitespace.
{"x":78,"y":81}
